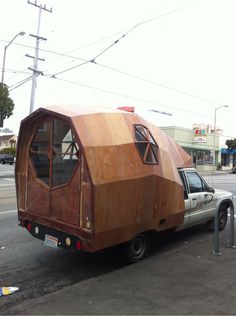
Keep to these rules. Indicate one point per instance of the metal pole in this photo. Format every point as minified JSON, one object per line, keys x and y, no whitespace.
{"x":35,"y":67}
{"x":214,"y":143}
{"x":214,"y":138}
{"x":231,"y":228}
{"x":216,"y":250}
{"x":231,"y":244}
{"x":3,"y":71}
{"x":3,"y":64}
{"x":4,"y":55}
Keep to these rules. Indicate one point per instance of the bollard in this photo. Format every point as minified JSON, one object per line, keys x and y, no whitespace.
{"x":216,"y":251}
{"x":231,"y":227}
{"x":231,"y":244}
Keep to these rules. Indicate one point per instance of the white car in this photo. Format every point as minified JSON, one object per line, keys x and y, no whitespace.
{"x":200,"y":201}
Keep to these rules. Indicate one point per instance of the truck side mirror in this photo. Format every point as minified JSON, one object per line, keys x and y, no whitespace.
{"x":212,"y":190}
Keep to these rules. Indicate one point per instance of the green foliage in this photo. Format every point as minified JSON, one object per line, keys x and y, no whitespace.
{"x":9,"y":150}
{"x":231,"y":143}
{"x":6,"y":104}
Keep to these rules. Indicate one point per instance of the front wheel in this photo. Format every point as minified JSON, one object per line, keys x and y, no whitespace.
{"x":137,"y":248}
{"x":223,"y":215}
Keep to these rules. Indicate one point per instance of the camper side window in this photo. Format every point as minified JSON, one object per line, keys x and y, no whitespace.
{"x":146,"y":145}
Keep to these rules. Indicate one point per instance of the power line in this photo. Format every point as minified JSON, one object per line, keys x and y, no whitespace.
{"x":158,"y":84}
{"x":139,"y":78}
{"x":45,"y":50}
{"x":16,"y":71}
{"x":127,"y":96}
{"x":93,"y":60}
{"x":20,"y":83}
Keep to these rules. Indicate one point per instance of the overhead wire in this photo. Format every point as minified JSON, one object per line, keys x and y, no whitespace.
{"x":127,"y":96}
{"x":158,"y":84}
{"x":15,"y":71}
{"x":20,"y":83}
{"x":93,"y":60}
{"x":111,"y":35}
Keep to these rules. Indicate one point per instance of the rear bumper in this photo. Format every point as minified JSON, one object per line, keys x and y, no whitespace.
{"x":68,"y":237}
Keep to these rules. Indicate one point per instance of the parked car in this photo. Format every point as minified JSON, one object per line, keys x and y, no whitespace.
{"x":7,"y":158}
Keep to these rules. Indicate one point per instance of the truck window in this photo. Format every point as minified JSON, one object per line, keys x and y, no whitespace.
{"x":196,"y":184}
{"x":184,"y":185}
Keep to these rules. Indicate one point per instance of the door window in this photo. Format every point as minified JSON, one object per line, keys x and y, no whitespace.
{"x":54,"y":152}
{"x":195,"y":182}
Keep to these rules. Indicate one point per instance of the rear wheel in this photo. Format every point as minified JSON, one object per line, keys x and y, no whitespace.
{"x":137,"y":248}
{"x":223,"y":215}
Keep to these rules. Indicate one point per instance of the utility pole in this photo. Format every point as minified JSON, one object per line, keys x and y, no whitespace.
{"x":36,"y":58}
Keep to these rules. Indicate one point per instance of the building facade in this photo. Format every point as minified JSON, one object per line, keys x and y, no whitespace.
{"x":228,"y":157}
{"x":198,"y":143}
{"x":8,"y":141}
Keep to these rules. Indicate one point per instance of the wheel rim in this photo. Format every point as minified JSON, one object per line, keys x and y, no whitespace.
{"x":223,"y":218}
{"x":138,"y":247}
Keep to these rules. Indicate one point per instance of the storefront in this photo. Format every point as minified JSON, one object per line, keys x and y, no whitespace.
{"x":228,"y":157}
{"x":198,"y":143}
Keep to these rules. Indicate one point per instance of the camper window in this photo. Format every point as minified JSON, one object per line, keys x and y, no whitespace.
{"x":146,"y":145}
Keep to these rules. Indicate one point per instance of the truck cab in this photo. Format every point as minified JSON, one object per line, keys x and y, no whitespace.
{"x":200,"y":200}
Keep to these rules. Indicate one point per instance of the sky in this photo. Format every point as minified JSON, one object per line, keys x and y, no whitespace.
{"x":176,"y":57}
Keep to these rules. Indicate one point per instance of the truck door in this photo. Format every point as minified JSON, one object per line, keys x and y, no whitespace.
{"x":186,"y":198}
{"x":201,"y":200}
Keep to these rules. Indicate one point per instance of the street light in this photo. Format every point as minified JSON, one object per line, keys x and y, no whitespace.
{"x":3,"y":70}
{"x":214,"y":137}
{"x":4,"y":54}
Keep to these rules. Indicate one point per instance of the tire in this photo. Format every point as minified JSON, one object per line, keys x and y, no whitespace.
{"x":223,"y":215}
{"x":137,"y":248}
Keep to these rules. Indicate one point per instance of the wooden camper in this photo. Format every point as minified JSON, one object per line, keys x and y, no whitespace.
{"x":101,"y":175}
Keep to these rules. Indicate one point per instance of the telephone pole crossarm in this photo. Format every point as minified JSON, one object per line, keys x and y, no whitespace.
{"x":40,"y":6}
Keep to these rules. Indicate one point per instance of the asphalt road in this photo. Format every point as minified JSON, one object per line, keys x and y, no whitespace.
{"x":180,"y":276}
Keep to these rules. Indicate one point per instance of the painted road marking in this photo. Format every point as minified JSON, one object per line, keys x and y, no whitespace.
{"x":7,"y":212}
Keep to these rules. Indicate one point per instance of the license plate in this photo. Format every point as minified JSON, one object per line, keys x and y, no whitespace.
{"x":51,"y":241}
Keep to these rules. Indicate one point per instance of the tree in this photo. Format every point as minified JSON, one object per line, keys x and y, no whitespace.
{"x":8,"y":150}
{"x":6,"y":104}
{"x":231,"y":143}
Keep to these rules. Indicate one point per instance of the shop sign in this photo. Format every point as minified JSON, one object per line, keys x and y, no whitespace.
{"x":200,"y":139}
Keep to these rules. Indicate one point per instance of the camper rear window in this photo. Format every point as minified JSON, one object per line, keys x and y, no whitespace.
{"x":146,"y":145}
{"x":54,"y":152}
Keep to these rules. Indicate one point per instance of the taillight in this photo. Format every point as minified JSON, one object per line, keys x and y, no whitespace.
{"x":29,"y":227}
{"x":78,"y":245}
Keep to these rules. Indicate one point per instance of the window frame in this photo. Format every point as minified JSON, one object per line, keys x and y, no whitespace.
{"x":203,"y":183}
{"x":151,"y":147}
{"x":52,"y":152}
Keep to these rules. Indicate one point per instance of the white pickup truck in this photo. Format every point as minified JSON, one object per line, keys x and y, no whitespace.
{"x":201,"y":199}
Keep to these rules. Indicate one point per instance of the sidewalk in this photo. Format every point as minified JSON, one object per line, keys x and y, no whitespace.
{"x":216,"y":173}
{"x":180,"y":278}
